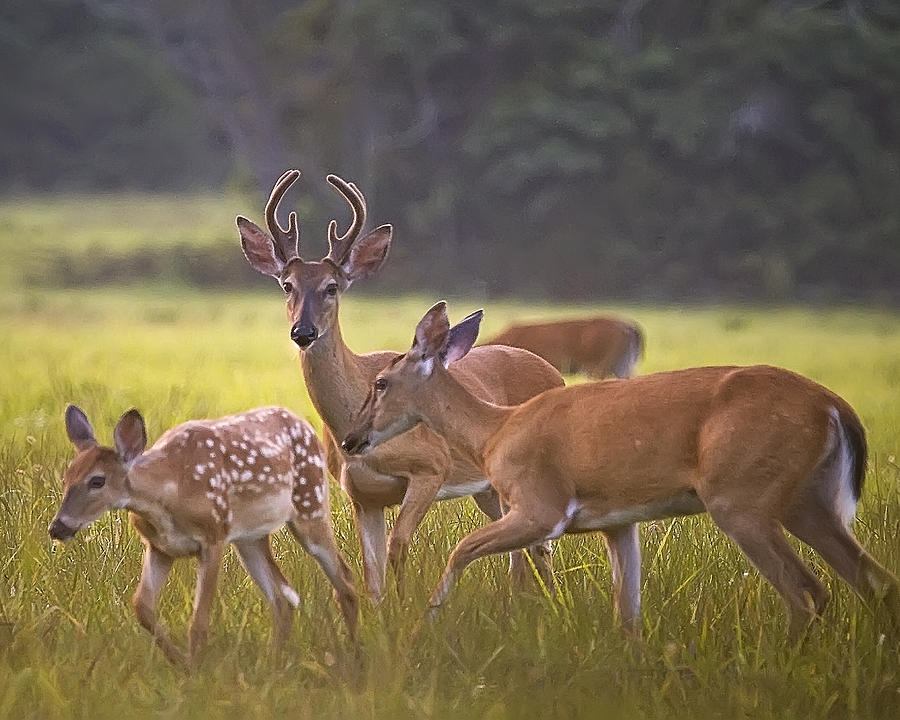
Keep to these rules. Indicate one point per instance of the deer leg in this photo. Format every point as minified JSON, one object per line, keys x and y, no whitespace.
{"x":334,"y":460}
{"x":762,"y":540}
{"x":371,"y":528}
{"x":155,"y":570}
{"x":256,"y":557}
{"x":513,"y":531}
{"x":209,"y":562}
{"x":519,"y":571}
{"x":420,"y":494}
{"x":317,"y":537}
{"x":624,"y":549}
{"x":825,"y":533}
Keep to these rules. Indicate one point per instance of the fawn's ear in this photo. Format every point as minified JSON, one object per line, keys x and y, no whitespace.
{"x":368,"y":253}
{"x":259,"y":248}
{"x":79,"y":429}
{"x":430,"y":338}
{"x":461,"y":338}
{"x":130,"y":435}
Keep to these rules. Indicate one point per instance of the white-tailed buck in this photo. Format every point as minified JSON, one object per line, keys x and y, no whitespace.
{"x":600,"y":346}
{"x":419,"y":468}
{"x":203,"y":485}
{"x":759,"y":448}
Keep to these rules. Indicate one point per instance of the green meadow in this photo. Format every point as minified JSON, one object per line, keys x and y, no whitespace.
{"x":714,"y":641}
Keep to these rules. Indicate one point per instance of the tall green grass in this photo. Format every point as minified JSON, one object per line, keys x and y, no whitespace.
{"x":714,"y":643}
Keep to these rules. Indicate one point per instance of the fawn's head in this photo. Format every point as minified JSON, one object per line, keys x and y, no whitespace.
{"x":96,"y":480}
{"x":395,"y":400}
{"x":312,"y":288}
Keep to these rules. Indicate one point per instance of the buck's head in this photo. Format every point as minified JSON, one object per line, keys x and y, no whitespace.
{"x":312,"y":289}
{"x":96,"y":480}
{"x":401,"y":391}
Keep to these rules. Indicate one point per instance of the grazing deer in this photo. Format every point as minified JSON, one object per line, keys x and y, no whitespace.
{"x":419,"y":468}
{"x":203,"y":485}
{"x":759,"y":448}
{"x":600,"y":347}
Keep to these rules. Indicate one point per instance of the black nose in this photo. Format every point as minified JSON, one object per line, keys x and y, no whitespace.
{"x":304,"y":335}
{"x":354,"y":444}
{"x":60,"y":531}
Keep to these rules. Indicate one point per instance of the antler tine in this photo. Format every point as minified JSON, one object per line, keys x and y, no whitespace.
{"x":286,"y":241}
{"x":339,"y":246}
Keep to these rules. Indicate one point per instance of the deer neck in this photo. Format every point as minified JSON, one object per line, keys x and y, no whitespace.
{"x":335,"y":380}
{"x":150,"y":486}
{"x":465,"y":421}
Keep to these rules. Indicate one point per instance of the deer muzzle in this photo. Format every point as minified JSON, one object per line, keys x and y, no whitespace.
{"x":304,"y":334}
{"x":355,"y":443}
{"x":60,"y":531}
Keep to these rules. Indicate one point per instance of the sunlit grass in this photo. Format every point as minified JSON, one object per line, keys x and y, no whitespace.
{"x":715,"y":641}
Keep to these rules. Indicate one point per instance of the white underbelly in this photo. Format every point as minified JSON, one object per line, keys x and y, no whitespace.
{"x":256,"y":517}
{"x":463,"y":489}
{"x":585,"y":518}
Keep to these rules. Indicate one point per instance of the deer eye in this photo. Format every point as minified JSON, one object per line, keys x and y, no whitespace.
{"x":96,"y":482}
{"x":380,"y":384}
{"x":288,"y":287}
{"x":331,"y":289}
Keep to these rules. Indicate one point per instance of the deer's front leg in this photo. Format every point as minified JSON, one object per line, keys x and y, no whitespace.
{"x":155,"y":570}
{"x":420,"y":494}
{"x":209,"y":562}
{"x":520,"y":573}
{"x":371,"y":528}
{"x":514,"y":531}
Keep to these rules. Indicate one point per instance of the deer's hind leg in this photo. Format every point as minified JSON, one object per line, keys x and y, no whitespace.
{"x":316,"y":535}
{"x":823,"y":531}
{"x":256,"y":557}
{"x":624,"y":549}
{"x":762,"y":540}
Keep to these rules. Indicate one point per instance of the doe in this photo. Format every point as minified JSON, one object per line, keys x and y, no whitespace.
{"x":598,"y":346}
{"x":203,"y":485}
{"x":761,"y":449}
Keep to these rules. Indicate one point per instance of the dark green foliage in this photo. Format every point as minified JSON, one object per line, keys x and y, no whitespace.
{"x":86,"y":107}
{"x":570,"y":149}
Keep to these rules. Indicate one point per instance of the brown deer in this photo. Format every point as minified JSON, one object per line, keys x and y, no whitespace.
{"x":203,"y":485}
{"x":759,"y":448}
{"x":600,"y":346}
{"x":419,"y":468}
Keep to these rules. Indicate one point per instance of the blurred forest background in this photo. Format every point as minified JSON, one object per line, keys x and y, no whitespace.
{"x":653,"y":150}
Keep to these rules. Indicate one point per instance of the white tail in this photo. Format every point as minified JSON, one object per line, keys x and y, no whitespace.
{"x":760,"y":448}
{"x":203,"y":485}
{"x":418,"y":468}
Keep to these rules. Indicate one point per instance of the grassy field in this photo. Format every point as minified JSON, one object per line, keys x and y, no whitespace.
{"x":714,"y":633}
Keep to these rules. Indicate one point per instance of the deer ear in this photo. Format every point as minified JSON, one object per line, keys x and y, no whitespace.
{"x":368,"y":253}
{"x":461,"y":338}
{"x":130,"y":435}
{"x":259,"y":248}
{"x":431,"y":337}
{"x":79,"y":429}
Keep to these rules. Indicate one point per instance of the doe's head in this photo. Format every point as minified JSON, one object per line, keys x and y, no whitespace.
{"x":399,"y":394}
{"x":312,"y":288}
{"x":96,"y":480}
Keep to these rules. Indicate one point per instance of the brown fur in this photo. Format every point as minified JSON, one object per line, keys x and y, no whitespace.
{"x":761,"y":449}
{"x":412,"y":471}
{"x":600,"y":347}
{"x":202,"y":485}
